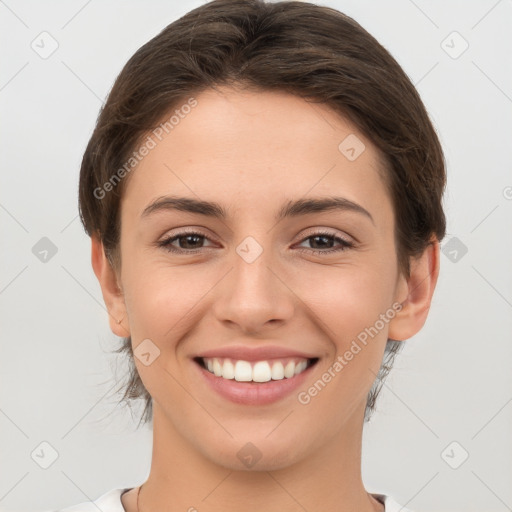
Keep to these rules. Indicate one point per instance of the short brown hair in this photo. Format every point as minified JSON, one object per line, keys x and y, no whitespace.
{"x":311,"y":51}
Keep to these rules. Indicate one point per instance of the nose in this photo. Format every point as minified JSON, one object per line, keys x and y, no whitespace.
{"x":254,"y":297}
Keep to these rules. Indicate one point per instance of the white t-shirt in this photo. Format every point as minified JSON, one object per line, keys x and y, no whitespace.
{"x":111,"y":502}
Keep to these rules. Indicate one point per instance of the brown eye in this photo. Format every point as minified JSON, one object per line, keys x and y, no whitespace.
{"x":187,"y":243}
{"x":322,"y":243}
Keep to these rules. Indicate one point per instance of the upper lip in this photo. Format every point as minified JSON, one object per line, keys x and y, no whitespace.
{"x":245,"y":353}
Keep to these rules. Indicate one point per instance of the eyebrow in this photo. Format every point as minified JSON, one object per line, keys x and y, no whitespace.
{"x":289,"y":209}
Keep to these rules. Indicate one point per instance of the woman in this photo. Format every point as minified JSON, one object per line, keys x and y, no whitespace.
{"x":263,"y":194}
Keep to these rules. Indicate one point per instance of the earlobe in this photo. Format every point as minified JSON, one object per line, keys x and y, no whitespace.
{"x":416,"y":293}
{"x":110,"y":288}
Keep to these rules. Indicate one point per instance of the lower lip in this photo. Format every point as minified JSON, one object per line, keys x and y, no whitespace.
{"x":253,"y":393}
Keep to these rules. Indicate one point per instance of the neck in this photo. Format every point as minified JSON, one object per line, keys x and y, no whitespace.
{"x":182,"y":478}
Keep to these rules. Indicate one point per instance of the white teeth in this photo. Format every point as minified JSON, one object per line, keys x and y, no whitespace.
{"x":217,"y":368}
{"x":228,"y":370}
{"x":299,"y":368}
{"x":278,"y":371}
{"x":243,"y":371}
{"x":289,"y":370}
{"x":260,"y":371}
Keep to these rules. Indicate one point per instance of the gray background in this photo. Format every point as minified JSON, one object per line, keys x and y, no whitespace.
{"x":451,"y":384}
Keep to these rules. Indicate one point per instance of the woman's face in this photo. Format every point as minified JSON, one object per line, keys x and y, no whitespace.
{"x":306,"y":284}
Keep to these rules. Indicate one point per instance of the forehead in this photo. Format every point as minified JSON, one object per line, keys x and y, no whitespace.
{"x":236,"y":145}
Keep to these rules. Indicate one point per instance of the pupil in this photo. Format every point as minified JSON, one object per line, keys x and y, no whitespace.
{"x":322,"y":237}
{"x":187,"y":238}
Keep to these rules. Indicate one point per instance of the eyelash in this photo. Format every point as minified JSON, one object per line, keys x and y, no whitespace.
{"x":345,"y":244}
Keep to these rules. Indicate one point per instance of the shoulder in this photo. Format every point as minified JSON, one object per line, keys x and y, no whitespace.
{"x":389,"y":503}
{"x":108,"y":502}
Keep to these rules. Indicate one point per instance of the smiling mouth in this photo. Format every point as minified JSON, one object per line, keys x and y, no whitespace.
{"x":255,"y":371}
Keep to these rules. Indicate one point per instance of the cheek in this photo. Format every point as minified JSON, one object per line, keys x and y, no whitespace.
{"x":347,"y":305}
{"x":349,"y":298}
{"x":353,"y":307}
{"x":161,"y":299}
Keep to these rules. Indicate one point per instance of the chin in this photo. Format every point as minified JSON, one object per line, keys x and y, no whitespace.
{"x":257,"y":455}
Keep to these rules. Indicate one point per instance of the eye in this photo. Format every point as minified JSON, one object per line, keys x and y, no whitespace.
{"x":188,"y":242}
{"x":325,"y":239}
{"x":191,"y":242}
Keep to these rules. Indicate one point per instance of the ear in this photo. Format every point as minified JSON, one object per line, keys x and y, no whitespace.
{"x":110,"y":288}
{"x":415,"y":294}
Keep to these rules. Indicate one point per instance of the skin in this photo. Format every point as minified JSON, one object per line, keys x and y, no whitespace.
{"x":251,"y":152}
